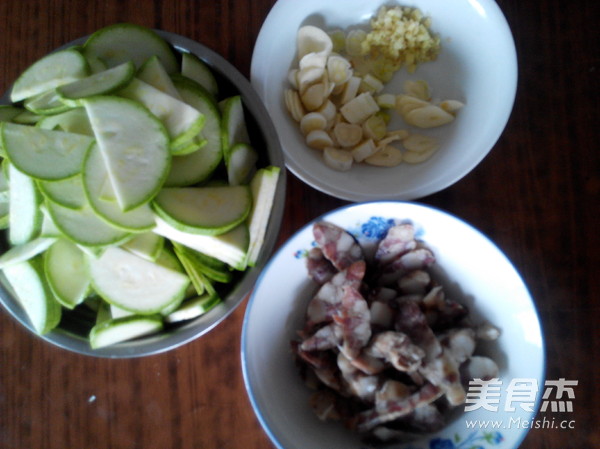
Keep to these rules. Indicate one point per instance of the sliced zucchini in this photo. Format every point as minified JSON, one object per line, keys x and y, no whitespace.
{"x":51,"y":71}
{"x":72,"y":121}
{"x":31,"y":289}
{"x":153,"y":72}
{"x":195,"y":69}
{"x":241,"y":164}
{"x":263,"y":187}
{"x":135,"y":284}
{"x":230,"y":247}
{"x":233,"y":125}
{"x":117,"y":330}
{"x":204,"y":210}
{"x":25,"y":251}
{"x":96,"y":182}
{"x":193,"y":308}
{"x":181,"y":121}
{"x":44,"y":154}
{"x":100,"y":83}
{"x":134,"y":145}
{"x":198,"y":166}
{"x":66,"y":272}
{"x":84,"y":227}
{"x":66,"y":192}
{"x":147,"y":245}
{"x":46,"y":103}
{"x":124,"y":42}
{"x":25,"y":217}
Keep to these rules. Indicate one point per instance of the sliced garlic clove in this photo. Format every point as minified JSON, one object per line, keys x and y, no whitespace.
{"x":313,"y":59}
{"x":371,"y":84}
{"x":419,"y":89}
{"x":386,"y":101}
{"x":294,"y":104}
{"x":387,"y":140}
{"x":340,"y":160}
{"x":293,"y":78}
{"x":338,"y":38}
{"x":309,"y":76}
{"x":451,"y":106}
{"x":354,"y":40}
{"x":428,"y":117}
{"x":339,"y":69}
{"x":311,"y":39}
{"x":350,"y":89}
{"x":412,"y":157}
{"x":419,"y":143}
{"x":329,"y":111}
{"x":364,"y":150}
{"x":318,"y":139}
{"x":400,"y":134}
{"x":312,"y":121}
{"x":314,"y":96}
{"x":407,"y":103}
{"x":359,"y":108}
{"x":387,"y":156}
{"x":375,"y":127}
{"x":347,"y":135}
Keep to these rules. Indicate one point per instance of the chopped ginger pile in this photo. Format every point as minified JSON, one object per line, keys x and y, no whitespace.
{"x":400,"y":36}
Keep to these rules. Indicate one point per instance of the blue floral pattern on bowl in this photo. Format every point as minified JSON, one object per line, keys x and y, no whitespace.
{"x":473,"y":441}
{"x":367,"y":233}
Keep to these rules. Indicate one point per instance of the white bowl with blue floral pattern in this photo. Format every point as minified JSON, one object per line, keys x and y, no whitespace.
{"x":477,"y":271}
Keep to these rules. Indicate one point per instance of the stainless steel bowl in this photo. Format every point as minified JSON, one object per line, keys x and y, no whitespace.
{"x":72,"y":332}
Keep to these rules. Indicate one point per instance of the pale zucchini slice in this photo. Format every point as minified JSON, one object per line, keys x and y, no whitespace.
{"x":44,"y":154}
{"x":9,"y":112}
{"x":212,"y":268}
{"x":51,"y":71}
{"x":25,"y":251}
{"x":182,"y":121}
{"x":124,"y":42}
{"x":233,"y":125}
{"x":134,"y":145}
{"x":31,"y":289}
{"x":117,"y":330}
{"x":135,"y":284}
{"x":66,"y":192}
{"x":46,"y":103}
{"x":195,"y":69}
{"x":100,"y":83}
{"x":193,"y":308}
{"x":25,"y":217}
{"x":204,"y":210}
{"x":84,"y":227}
{"x":197,"y":167}
{"x":96,"y":182}
{"x":230,"y":247}
{"x":147,"y":245}
{"x":72,"y":121}
{"x":66,"y":272}
{"x":241,"y":164}
{"x":27,"y":118}
{"x":153,"y":72}
{"x":263,"y":187}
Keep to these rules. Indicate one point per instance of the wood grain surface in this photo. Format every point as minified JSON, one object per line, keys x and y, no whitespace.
{"x":535,"y":195}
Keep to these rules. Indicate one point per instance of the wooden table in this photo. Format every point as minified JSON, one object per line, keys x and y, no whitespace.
{"x":535,"y":195}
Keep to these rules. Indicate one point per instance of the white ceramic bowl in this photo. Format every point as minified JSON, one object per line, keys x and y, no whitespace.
{"x":477,"y":273}
{"x":72,"y":332}
{"x":477,"y":65}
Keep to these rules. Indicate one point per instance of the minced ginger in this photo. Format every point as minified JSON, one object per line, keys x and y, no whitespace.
{"x":399,"y":36}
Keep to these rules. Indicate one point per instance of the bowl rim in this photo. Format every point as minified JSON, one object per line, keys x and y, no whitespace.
{"x":244,"y":352}
{"x":186,"y":332}
{"x":302,"y":168}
